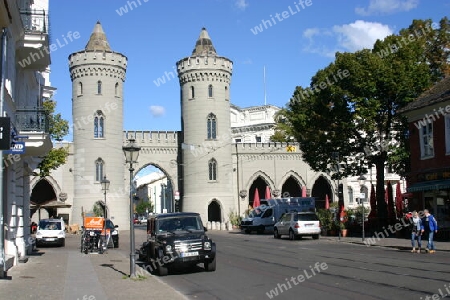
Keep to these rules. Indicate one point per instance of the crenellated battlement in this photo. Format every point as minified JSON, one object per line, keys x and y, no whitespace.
{"x":259,"y":147}
{"x":204,"y":68}
{"x":152,"y":138}
{"x":96,"y":63}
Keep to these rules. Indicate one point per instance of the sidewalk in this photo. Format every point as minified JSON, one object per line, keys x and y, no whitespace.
{"x":389,"y":242}
{"x":66,"y":273}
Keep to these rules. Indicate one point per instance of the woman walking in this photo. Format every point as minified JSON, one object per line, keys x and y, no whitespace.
{"x":416,"y":233}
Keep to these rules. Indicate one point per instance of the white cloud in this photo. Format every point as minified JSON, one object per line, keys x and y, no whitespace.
{"x":241,"y":4}
{"x":385,"y":7}
{"x":157,"y":111}
{"x":348,"y":37}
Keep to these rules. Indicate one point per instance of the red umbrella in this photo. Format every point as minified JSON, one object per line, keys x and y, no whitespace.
{"x":373,"y":203}
{"x":267,"y":196}
{"x":303,"y":191}
{"x":327,"y":202}
{"x":391,"y":212}
{"x":399,"y":201}
{"x":256,"y":202}
{"x":341,"y":213}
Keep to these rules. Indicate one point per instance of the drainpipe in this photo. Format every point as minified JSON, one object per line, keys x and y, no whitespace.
{"x":2,"y":98}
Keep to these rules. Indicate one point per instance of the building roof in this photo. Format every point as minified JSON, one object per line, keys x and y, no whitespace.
{"x":98,"y":40}
{"x":204,"y":46}
{"x":440,"y":92}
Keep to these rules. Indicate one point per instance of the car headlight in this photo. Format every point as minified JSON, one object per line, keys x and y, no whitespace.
{"x":207,"y":245}
{"x":168,"y":248}
{"x":91,"y":233}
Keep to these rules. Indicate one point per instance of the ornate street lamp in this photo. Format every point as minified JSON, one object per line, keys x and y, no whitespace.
{"x":362,"y":181}
{"x":131,"y":151}
{"x":105,"y":186}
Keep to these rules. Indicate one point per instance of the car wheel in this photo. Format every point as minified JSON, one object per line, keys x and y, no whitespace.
{"x":315,"y":237}
{"x":291,"y":235}
{"x":162,"y":269}
{"x":276,"y":234}
{"x":210,"y":266}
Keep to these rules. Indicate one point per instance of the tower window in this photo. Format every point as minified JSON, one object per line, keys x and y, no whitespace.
{"x":116,"y":89}
{"x":211,"y":127}
{"x":210,"y":91}
{"x":192,"y":92}
{"x":80,"y":89}
{"x":227,"y":97}
{"x":212,"y":166}
{"x":99,"y":87}
{"x":99,"y":125}
{"x":99,"y":169}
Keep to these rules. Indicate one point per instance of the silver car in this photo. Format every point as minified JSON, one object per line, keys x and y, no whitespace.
{"x":297,"y":224}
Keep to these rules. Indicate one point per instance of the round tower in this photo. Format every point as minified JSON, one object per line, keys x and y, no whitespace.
{"x":206,"y":150}
{"x":98,"y":75}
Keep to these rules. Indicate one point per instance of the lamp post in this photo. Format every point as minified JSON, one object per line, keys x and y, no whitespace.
{"x":131,"y":151}
{"x":105,"y":186}
{"x":362,"y":181}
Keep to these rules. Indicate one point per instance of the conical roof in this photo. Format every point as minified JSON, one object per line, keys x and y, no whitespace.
{"x":204,"y":45}
{"x":98,"y":40}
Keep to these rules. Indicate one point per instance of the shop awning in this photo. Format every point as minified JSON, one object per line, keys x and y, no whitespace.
{"x":434,"y":185}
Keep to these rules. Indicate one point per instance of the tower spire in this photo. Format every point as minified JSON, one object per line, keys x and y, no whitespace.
{"x":204,"y":45}
{"x":98,"y":40}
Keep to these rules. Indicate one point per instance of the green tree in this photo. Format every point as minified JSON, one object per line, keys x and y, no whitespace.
{"x":58,"y":128}
{"x":351,"y":105}
{"x":97,"y":209}
{"x":142,"y":207}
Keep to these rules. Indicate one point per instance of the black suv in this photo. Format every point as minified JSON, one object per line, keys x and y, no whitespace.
{"x":177,"y":239}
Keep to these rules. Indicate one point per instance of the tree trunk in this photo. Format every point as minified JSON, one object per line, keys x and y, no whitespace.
{"x":382,"y":212}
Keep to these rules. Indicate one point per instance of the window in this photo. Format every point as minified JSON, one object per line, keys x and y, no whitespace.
{"x":227,"y":97}
{"x":99,"y":169}
{"x":211,"y":127}
{"x":99,"y":125}
{"x":116,"y":89}
{"x":99,"y":87}
{"x":210,"y":91}
{"x":238,"y":140}
{"x":258,"y":139}
{"x":212,"y":165}
{"x":426,"y":140}
{"x":192,"y":92}
{"x":350,"y":195}
{"x":80,"y":89}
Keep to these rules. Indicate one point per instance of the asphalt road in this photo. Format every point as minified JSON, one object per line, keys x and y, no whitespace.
{"x":260,"y":267}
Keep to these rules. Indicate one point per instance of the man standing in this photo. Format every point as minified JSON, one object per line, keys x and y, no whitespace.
{"x":430,"y":226}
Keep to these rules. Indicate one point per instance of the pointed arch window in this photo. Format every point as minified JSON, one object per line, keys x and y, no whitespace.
{"x":210,"y":91}
{"x":211,"y":127}
{"x":99,"y":169}
{"x":212,"y":168}
{"x":99,"y":125}
{"x":192,"y":92}
{"x":99,"y":87}
{"x":80,"y":89}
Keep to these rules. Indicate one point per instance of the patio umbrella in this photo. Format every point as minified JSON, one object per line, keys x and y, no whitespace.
{"x":256,"y":202}
{"x":303,"y":191}
{"x":373,"y":203}
{"x":390,"y":192}
{"x":327,"y":202}
{"x":267,"y":196}
{"x":399,"y":201}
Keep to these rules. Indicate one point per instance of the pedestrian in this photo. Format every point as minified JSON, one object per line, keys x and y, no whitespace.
{"x":416,"y":232}
{"x":430,"y":228}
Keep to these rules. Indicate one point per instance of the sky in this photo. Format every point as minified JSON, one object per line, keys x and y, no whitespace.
{"x":275,"y":45}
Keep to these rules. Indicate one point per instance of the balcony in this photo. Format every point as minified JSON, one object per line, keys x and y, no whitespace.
{"x":34,"y":125}
{"x":33,"y":52}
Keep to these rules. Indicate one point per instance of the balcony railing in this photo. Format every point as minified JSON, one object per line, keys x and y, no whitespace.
{"x":32,"y":120}
{"x":34,"y":21}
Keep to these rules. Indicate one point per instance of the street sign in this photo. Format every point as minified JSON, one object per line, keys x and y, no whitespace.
{"x":5,"y":133}
{"x":362,"y":195}
{"x":16,"y":148}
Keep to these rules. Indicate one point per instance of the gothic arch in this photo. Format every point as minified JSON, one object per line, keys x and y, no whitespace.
{"x":261,"y":174}
{"x":293,"y":174}
{"x":50,"y":180}
{"x":322,"y":187}
{"x":215,"y":211}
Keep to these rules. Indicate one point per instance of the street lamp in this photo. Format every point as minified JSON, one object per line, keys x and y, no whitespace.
{"x":131,"y":151}
{"x":105,"y":186}
{"x":362,"y":181}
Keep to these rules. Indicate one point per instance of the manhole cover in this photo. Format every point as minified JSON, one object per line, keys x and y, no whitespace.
{"x":27,"y":277}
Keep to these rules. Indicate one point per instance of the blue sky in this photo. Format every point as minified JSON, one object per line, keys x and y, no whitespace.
{"x":295,"y":39}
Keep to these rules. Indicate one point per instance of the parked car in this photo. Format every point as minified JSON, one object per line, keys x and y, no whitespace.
{"x":297,"y":224}
{"x":51,"y":231}
{"x":142,"y":220}
{"x":114,"y":233}
{"x":177,"y":240}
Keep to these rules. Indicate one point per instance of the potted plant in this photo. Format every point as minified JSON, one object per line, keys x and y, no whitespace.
{"x":235,"y":219}
{"x":344,"y":230}
{"x":325,"y":218}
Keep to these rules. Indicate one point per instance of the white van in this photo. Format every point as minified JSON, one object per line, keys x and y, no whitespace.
{"x":51,"y":231}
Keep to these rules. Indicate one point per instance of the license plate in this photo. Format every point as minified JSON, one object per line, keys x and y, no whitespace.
{"x":309,"y":225}
{"x":50,"y":239}
{"x":189,"y":254}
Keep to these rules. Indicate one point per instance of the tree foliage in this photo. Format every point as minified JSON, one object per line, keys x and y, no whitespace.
{"x":58,"y":128}
{"x":351,"y":105}
{"x":142,"y":207}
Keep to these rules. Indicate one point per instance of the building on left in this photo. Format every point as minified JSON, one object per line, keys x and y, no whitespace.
{"x":25,"y":61}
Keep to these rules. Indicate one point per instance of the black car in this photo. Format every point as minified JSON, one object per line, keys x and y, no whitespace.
{"x":177,"y":240}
